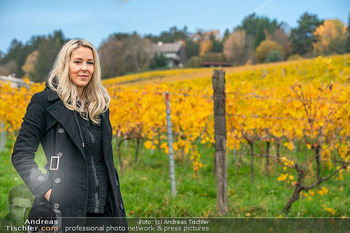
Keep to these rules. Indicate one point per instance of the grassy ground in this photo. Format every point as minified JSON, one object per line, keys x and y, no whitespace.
{"x":145,"y":188}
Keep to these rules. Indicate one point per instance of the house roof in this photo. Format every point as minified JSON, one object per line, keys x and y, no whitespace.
{"x":166,"y":47}
{"x":15,"y":82}
{"x":12,"y":79}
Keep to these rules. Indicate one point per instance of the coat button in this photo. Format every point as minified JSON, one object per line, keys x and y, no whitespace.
{"x":116,"y":181}
{"x":59,"y":154}
{"x":121,"y":206}
{"x":56,"y":206}
{"x":57,"y":180}
{"x":41,"y":178}
{"x":61,"y":130}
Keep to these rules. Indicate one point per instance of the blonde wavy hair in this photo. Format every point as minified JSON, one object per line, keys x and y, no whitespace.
{"x":95,"y":98}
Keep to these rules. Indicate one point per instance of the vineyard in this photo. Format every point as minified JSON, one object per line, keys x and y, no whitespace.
{"x":294,"y":116}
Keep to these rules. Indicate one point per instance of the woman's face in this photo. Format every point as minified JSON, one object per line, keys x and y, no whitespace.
{"x":81,"y":67}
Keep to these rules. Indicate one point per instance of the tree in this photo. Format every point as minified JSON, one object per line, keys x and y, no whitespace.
{"x":14,"y":51}
{"x":198,"y":36}
{"x":192,"y":48}
{"x":112,"y":57}
{"x":213,"y":57}
{"x":19,"y":52}
{"x":258,"y":27}
{"x":12,"y":67}
{"x":3,"y":70}
{"x":347,"y":45}
{"x":217,"y":43}
{"x":274,"y":56}
{"x":137,"y":52}
{"x":260,"y":35}
{"x":302,"y":37}
{"x":121,"y":36}
{"x":158,"y":61}
{"x":203,"y":42}
{"x":226,"y":35}
{"x":174,"y":34}
{"x":238,"y":48}
{"x":250,"y":24}
{"x":330,"y":37}
{"x":14,"y":58}
{"x":28,"y":66}
{"x":265,"y":48}
{"x":48,"y":50}
{"x":205,"y":47}
{"x":194,"y":62}
{"x":211,"y":47}
{"x":281,"y":38}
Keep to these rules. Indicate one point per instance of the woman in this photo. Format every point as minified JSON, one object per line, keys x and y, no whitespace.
{"x":70,"y":119}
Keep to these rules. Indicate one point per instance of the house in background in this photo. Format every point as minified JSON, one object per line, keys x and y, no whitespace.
{"x":15,"y":82}
{"x":175,"y":53}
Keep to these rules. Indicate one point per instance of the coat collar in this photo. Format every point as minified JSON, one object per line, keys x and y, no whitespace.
{"x":66,"y":118}
{"x":51,"y":95}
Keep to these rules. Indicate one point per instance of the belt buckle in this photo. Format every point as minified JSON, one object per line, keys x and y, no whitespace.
{"x":52,"y":165}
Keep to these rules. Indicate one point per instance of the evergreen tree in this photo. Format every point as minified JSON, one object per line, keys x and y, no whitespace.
{"x":48,"y":49}
{"x":16,"y":56}
{"x":226,"y":35}
{"x":120,"y":36}
{"x":217,"y":44}
{"x":192,"y":48}
{"x":158,"y":61}
{"x":260,"y":35}
{"x":19,"y":52}
{"x":258,"y":27}
{"x":174,"y":34}
{"x":302,"y":37}
{"x":250,"y":24}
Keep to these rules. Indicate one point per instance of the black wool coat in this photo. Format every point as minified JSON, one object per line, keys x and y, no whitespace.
{"x":49,"y":122}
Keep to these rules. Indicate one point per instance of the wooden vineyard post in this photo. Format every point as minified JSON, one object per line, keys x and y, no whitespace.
{"x":170,"y":144}
{"x":3,"y":136}
{"x":219,"y":98}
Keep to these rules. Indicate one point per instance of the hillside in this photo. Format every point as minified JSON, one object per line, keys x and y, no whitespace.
{"x":174,"y":75}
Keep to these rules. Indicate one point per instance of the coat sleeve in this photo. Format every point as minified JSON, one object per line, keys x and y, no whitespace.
{"x":27,"y":142}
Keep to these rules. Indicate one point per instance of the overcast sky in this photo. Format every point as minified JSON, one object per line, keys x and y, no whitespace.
{"x":95,"y":20}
